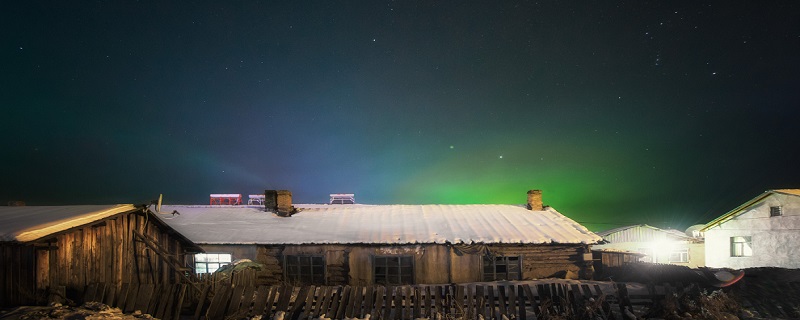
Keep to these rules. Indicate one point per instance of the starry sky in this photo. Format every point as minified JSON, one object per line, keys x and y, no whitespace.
{"x":668,"y":113}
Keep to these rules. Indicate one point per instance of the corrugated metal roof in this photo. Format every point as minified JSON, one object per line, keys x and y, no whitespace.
{"x":373,"y":224}
{"x":28,"y":223}
{"x":641,"y":233}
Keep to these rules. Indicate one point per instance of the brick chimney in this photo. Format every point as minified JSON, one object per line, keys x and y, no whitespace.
{"x":279,"y":202}
{"x":535,"y":200}
{"x":285,"y":203}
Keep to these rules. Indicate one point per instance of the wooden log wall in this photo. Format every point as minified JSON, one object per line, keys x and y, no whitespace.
{"x":17,"y":274}
{"x":433,"y":263}
{"x":544,"y":261}
{"x":101,"y":252}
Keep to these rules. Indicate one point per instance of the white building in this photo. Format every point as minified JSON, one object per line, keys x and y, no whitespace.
{"x":659,"y":245}
{"x":763,"y":232}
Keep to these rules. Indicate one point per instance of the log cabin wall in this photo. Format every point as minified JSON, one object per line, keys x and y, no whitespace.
{"x":17,"y":274}
{"x":433,"y":263}
{"x":106,"y":251}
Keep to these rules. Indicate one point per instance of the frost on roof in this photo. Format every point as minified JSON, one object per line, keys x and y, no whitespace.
{"x":396,"y":224}
{"x":33,"y":222}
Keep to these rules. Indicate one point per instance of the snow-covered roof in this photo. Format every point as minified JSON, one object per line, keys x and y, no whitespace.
{"x":377,"y":224}
{"x":28,"y":223}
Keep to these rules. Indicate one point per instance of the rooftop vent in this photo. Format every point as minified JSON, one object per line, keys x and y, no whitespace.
{"x":343,"y":198}
{"x":255,"y":199}
{"x":225,"y":198}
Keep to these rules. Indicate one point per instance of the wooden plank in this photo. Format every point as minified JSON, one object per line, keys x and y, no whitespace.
{"x":166,"y":302}
{"x":397,"y":302}
{"x":458,"y":301}
{"x":437,"y":297}
{"x":523,"y":312}
{"x":605,"y":305}
{"x":90,"y":292}
{"x":342,"y":303}
{"x":260,"y":301}
{"x":130,"y":302}
{"x":501,"y":300}
{"x":110,"y":295}
{"x":143,"y":297}
{"x":380,"y":310}
{"x":308,"y":308}
{"x":299,"y":302}
{"x":236,"y":299}
{"x":578,"y":303}
{"x":532,"y":299}
{"x":348,"y":309}
{"x":174,"y":311}
{"x":247,"y":299}
{"x":417,"y":303}
{"x":480,"y":302}
{"x":359,"y":299}
{"x":491,"y":302}
{"x":512,"y":302}
{"x":469,"y":310}
{"x":324,"y":304}
{"x":369,"y":299}
{"x":201,"y":301}
{"x":166,"y":297}
{"x":427,"y":311}
{"x":272,"y":300}
{"x":216,"y":310}
{"x":407,"y":302}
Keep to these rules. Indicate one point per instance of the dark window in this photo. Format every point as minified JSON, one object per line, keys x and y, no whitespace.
{"x":501,"y":268}
{"x":305,"y":269}
{"x":393,"y":270}
{"x":741,"y":246}
{"x":775,"y":211}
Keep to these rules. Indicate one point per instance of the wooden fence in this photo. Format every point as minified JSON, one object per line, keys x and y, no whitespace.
{"x":474,"y":301}
{"x":161,"y":301}
{"x":518,"y":301}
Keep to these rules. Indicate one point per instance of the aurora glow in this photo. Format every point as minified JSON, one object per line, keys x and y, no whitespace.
{"x":662,"y":113}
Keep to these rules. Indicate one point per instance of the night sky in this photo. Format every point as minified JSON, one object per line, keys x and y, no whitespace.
{"x":668,"y":113}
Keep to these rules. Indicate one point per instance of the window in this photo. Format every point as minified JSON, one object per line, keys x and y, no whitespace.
{"x":501,"y":268}
{"x":775,"y":211}
{"x":305,"y":269}
{"x":210,"y":262}
{"x":741,"y":247}
{"x":394,"y":270}
{"x":679,"y":255}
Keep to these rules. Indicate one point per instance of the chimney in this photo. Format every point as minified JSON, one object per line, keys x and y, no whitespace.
{"x":535,"y":200}
{"x":279,"y":202}
{"x":271,"y":200}
{"x":285,"y":203}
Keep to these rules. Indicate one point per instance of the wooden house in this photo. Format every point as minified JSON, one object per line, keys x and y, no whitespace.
{"x":762,"y":232}
{"x":656,"y":245}
{"x":358,"y":244}
{"x":62,"y":249}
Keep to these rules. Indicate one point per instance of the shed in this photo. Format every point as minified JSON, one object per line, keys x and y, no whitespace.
{"x":64,"y":248}
{"x":359,"y":244}
{"x":658,"y":245}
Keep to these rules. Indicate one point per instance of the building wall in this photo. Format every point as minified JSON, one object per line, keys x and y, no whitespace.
{"x":433,"y":263}
{"x":659,"y":252}
{"x":774,"y":239}
{"x":103,"y":251}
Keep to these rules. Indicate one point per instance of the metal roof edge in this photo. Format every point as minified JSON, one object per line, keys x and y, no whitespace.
{"x":736,"y":211}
